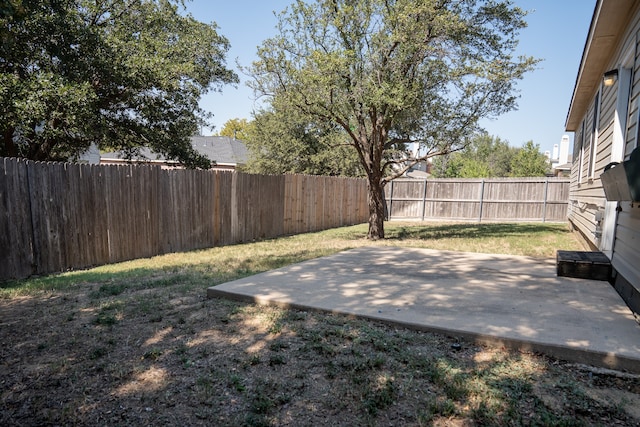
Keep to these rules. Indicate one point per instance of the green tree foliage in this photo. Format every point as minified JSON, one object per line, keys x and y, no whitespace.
{"x":392,"y":72}
{"x":529,"y":161}
{"x":282,"y":140}
{"x":235,"y":128}
{"x":485,"y":157}
{"x":122,"y":74}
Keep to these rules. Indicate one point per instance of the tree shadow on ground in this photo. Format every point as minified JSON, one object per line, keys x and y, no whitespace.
{"x":470,"y":231}
{"x":108,"y":281}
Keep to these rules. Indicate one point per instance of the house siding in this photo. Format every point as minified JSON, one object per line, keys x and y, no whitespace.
{"x":632,"y":124}
{"x":587,"y":201}
{"x":586,"y":195}
{"x":626,"y":251}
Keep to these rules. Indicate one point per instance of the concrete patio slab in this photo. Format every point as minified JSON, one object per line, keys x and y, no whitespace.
{"x":512,"y":301}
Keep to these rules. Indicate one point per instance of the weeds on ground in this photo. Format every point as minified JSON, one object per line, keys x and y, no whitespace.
{"x":227,"y":363}
{"x":137,"y":343}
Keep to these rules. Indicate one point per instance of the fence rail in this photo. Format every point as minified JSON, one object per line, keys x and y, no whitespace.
{"x":499,"y":199}
{"x":60,"y":216}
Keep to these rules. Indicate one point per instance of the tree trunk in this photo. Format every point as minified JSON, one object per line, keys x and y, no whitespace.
{"x":377,"y":209}
{"x":10,"y":149}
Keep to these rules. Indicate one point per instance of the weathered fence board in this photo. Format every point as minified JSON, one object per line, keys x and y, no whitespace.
{"x":57,"y":216}
{"x":16,"y":258}
{"x":499,"y":199}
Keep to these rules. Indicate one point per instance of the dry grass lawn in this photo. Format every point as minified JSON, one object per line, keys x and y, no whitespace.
{"x":138,"y":343}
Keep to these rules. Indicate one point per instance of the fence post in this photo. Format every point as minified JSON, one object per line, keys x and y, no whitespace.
{"x":544,"y":206}
{"x":481,"y":200}
{"x":424,"y":198}
{"x":390,"y":207}
{"x":35,"y":245}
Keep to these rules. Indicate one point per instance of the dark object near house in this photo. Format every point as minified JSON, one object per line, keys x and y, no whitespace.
{"x":583,"y":265}
{"x":621,"y":181}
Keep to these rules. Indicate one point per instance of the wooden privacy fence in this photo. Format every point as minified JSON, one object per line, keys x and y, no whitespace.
{"x":60,"y":216}
{"x":498,"y":199}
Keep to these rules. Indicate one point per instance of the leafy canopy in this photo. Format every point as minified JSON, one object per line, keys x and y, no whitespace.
{"x":485,"y":157}
{"x":235,"y":128}
{"x":392,"y":72}
{"x":529,"y":161}
{"x":119,"y":74}
{"x":282,"y":140}
{"x":488,"y":156}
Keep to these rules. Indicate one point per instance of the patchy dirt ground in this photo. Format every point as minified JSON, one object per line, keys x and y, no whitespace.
{"x":165,"y":355}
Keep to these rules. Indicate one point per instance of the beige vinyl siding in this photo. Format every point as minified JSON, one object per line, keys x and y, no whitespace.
{"x":632,"y":118}
{"x":609,"y":96}
{"x":574,"y":174}
{"x":588,"y":141}
{"x":626,"y":250}
{"x":577,"y":158}
{"x":586,"y":194}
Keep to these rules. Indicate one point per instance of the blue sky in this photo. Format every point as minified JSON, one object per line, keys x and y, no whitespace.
{"x":556,"y":33}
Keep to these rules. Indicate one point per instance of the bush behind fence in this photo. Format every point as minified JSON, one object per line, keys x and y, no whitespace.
{"x":60,"y":216}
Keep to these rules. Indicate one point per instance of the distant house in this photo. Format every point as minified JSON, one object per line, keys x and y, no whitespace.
{"x":420,"y":170}
{"x":561,"y":159}
{"x":227,"y":153}
{"x":605,"y":116}
{"x":90,"y":156}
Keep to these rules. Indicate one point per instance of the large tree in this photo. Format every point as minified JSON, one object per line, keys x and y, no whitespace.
{"x":529,"y":161}
{"x":485,"y":157}
{"x":121,"y":74}
{"x":282,"y":140}
{"x":392,"y":72}
{"x":235,"y":128}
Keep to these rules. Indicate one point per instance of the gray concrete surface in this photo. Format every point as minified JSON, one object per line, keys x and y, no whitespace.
{"x":518,"y":302}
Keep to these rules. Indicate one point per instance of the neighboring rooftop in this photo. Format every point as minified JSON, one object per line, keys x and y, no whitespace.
{"x":221,"y":149}
{"x":226,"y":152}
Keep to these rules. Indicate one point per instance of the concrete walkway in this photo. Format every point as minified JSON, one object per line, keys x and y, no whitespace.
{"x":517,"y":302}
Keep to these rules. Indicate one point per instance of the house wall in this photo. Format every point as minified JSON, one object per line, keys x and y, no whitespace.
{"x":626,"y":254}
{"x":588,"y":204}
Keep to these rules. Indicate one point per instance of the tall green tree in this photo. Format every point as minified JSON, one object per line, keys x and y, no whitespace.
{"x":235,"y":128}
{"x":486,"y":156}
{"x":282,"y":140}
{"x":121,"y":74}
{"x":529,"y":161}
{"x":392,"y":72}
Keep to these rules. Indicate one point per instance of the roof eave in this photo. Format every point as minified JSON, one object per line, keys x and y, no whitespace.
{"x":607,"y":26}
